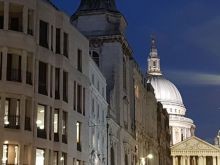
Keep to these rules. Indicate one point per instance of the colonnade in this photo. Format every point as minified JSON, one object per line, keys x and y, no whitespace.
{"x":196,"y":160}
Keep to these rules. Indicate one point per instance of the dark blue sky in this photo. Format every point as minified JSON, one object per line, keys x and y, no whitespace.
{"x":188,"y":34}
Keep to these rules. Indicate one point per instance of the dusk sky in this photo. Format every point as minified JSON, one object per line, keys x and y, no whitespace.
{"x":188,"y":36}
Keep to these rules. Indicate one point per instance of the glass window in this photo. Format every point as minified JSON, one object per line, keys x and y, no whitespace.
{"x":15,"y":17}
{"x":65,"y":44}
{"x":10,"y":154}
{"x":79,"y":98}
{"x":64,"y":129}
{"x":79,"y":60}
{"x":1,"y":15}
{"x":56,"y":121}
{"x":55,"y":158}
{"x":30,"y":22}
{"x":78,"y":135}
{"x":29,"y":70}
{"x":41,"y":117}
{"x":57,"y":83}
{"x":43,"y":34}
{"x":65,"y":86}
{"x":42,"y":78}
{"x":14,"y":67}
{"x":63,"y":159}
{"x":57,"y":40}
{"x":74,"y":95}
{"x":40,"y":155}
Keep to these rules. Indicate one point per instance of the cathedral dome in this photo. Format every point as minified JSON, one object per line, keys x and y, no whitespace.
{"x":165,"y":90}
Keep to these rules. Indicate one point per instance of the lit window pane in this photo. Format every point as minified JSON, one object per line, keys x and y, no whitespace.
{"x":40,"y":117}
{"x":56,"y":121}
{"x":39,"y":157}
{"x":78,"y":132}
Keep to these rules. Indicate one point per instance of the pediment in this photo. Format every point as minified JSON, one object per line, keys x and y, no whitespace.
{"x":194,"y":143}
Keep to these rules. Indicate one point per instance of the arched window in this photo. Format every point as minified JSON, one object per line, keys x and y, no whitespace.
{"x":112,"y":156}
{"x":95,"y":57}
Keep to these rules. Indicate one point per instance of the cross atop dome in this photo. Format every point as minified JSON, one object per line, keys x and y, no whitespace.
{"x":153,"y":59}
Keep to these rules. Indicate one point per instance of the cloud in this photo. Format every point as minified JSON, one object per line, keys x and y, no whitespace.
{"x":194,"y":78}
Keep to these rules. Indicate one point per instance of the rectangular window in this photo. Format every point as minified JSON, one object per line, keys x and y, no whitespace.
{"x":40,"y":157}
{"x":51,"y":46}
{"x":57,"y":40}
{"x":55,"y":158}
{"x":56,"y":125}
{"x":12,"y":113}
{"x":57,"y":83}
{"x":84,"y":101}
{"x":42,"y":78}
{"x":63,"y":159}
{"x":43,"y":34}
{"x":29,"y":70}
{"x":15,"y":17}
{"x":1,"y":15}
{"x":79,"y":60}
{"x":28,"y":110}
{"x":78,"y":136}
{"x":30,"y":27}
{"x":64,"y":129}
{"x":74,"y":95}
{"x":93,"y":107}
{"x":65,"y":44}
{"x":10,"y":154}
{"x":41,"y":117}
{"x":51,"y":81}
{"x":0,"y":65}
{"x":14,"y":67}
{"x":65,"y":86}
{"x":79,"y":98}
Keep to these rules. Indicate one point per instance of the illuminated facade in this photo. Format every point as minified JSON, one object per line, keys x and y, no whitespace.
{"x":44,"y":86}
{"x":166,"y":92}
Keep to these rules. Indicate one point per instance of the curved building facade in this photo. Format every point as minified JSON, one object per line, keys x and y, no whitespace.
{"x":43,"y":86}
{"x":166,"y":92}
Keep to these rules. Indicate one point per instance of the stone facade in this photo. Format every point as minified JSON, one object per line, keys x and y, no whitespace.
{"x":44,"y":86}
{"x":97,"y":116}
{"x":194,"y":151}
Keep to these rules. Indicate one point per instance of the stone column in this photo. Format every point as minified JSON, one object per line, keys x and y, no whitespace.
{"x":200,"y":162}
{"x":174,"y":160}
{"x":6,"y":15}
{"x":188,"y":160}
{"x":214,"y":160}
{"x":204,"y":160}
{"x":218,"y":160}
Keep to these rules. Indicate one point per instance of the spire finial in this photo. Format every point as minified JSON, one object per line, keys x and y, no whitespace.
{"x":153,"y":59}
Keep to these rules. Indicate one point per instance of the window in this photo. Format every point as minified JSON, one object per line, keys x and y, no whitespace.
{"x":57,"y":83}
{"x":30,"y":26}
{"x":55,"y":158}
{"x":29,"y":70}
{"x":63,"y":159}
{"x":78,"y":136}
{"x":42,"y":78}
{"x":57,"y":40}
{"x":97,"y":112}
{"x":12,"y":113}
{"x":14,"y":67}
{"x":84,"y":101}
{"x":1,"y":15}
{"x":79,"y":98}
{"x":79,"y":60}
{"x":65,"y":44}
{"x":0,"y":65}
{"x":43,"y":34}
{"x":65,"y":86}
{"x":10,"y":154}
{"x":28,"y":110}
{"x":95,"y":57}
{"x":15,"y":17}
{"x":78,"y":162}
{"x":154,"y":64}
{"x":74,"y":95}
{"x":51,"y":81}
{"x":56,"y":124}
{"x":64,"y":129}
{"x":41,"y":125}
{"x":40,"y":156}
{"x":51,"y":46}
{"x":93,"y":106}
{"x":112,"y":156}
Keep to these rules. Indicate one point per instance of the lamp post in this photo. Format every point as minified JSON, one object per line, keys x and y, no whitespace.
{"x":148,"y":157}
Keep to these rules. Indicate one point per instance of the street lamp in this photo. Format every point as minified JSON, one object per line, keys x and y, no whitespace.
{"x":148,"y":157}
